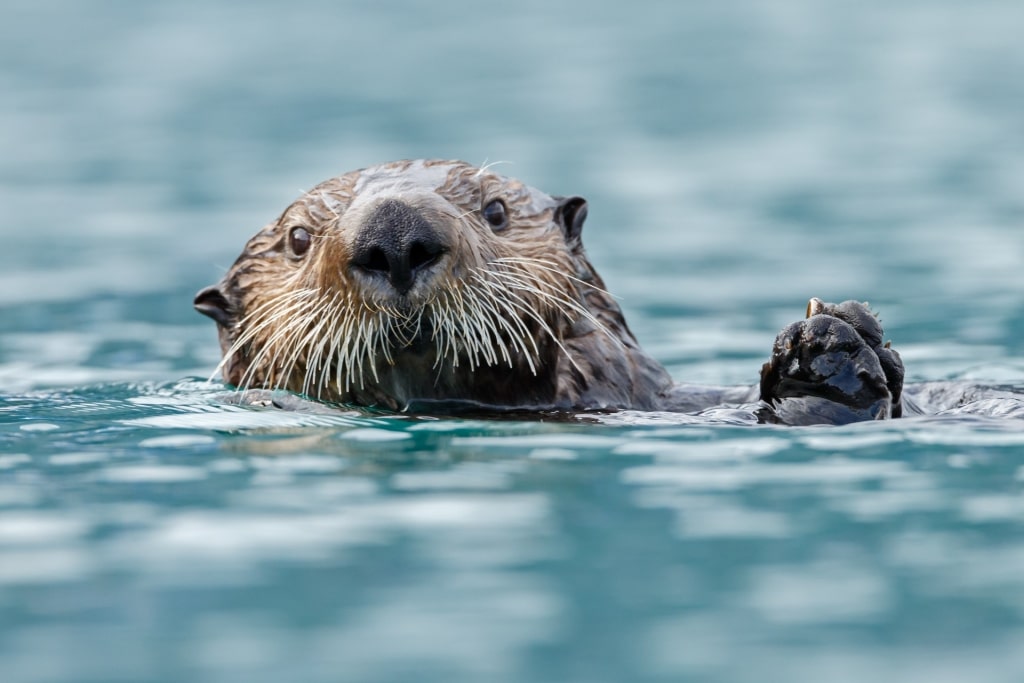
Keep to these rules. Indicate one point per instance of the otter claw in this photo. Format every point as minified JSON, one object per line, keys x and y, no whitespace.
{"x":815,"y":306}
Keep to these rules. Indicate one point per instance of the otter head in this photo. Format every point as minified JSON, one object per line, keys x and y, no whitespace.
{"x":424,"y":282}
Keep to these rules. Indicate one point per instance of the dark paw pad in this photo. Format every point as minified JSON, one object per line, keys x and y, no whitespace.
{"x":832,"y":368}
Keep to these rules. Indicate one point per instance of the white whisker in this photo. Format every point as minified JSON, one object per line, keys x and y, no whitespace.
{"x":332,"y":344}
{"x":551,"y":267}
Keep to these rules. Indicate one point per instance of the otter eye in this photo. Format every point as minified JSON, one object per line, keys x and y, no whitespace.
{"x":496,"y":214}
{"x":299,"y":240}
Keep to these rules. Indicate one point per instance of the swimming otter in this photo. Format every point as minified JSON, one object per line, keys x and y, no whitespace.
{"x":436,"y":285}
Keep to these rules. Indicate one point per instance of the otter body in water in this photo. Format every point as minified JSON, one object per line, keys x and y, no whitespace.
{"x":436,"y":285}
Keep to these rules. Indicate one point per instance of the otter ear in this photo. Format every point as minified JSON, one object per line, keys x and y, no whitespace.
{"x":570,"y":214}
{"x":211,"y":302}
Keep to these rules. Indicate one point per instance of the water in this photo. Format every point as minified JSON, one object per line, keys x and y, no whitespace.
{"x":739,"y":157}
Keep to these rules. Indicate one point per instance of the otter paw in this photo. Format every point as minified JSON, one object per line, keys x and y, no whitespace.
{"x":832,"y":368}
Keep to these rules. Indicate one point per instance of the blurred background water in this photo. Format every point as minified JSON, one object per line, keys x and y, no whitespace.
{"x":738,"y":156}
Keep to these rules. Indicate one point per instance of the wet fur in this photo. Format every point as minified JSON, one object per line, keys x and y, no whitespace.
{"x":512,"y":319}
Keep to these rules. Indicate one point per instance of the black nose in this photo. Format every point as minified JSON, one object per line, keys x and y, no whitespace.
{"x":397,"y":242}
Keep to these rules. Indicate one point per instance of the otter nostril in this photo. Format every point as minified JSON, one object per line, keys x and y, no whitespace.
{"x":373,"y":259}
{"x":423,"y":254}
{"x":400,"y":264}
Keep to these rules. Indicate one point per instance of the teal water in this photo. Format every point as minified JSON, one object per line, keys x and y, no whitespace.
{"x":739,"y":157}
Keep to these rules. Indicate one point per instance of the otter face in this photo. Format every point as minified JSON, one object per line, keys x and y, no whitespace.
{"x":418,"y":281}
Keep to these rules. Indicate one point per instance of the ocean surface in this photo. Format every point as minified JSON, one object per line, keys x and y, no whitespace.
{"x":739,"y":157}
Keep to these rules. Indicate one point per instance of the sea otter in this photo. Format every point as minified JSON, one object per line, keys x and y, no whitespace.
{"x":435,"y":285}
